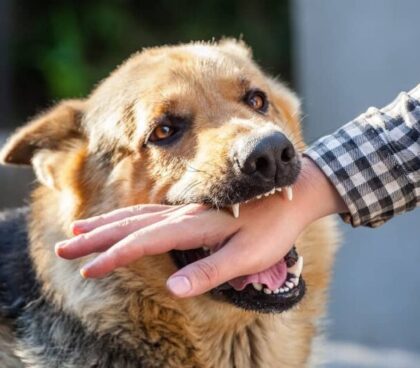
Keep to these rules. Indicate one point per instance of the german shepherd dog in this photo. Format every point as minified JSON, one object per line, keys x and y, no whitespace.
{"x":133,"y":141}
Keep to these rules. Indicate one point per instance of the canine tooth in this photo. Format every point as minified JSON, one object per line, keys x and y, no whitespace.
{"x":295,"y":281}
{"x":290,"y":285}
{"x":235,"y":210}
{"x":276,"y":291}
{"x":267,"y":291}
{"x":289,"y":193}
{"x":257,"y":286}
{"x":278,"y":189}
{"x":296,"y":269}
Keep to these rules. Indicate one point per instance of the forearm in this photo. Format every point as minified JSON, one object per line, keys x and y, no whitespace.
{"x":315,"y":195}
{"x":374,"y":161}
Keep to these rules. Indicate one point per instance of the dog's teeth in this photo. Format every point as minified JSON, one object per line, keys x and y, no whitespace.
{"x":286,"y":289}
{"x":276,"y":291}
{"x":235,"y":210}
{"x":281,"y":290}
{"x":296,"y":269}
{"x":289,"y":192}
{"x":267,"y":291}
{"x":257,"y":286}
{"x":289,"y":284}
{"x":206,"y":249}
{"x":295,"y":280}
{"x":266,"y":194}
{"x":273,"y":191}
{"x":259,"y":196}
{"x":278,"y":189}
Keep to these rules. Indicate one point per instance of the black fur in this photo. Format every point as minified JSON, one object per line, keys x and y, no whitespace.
{"x":17,"y":281}
{"x":61,"y":340}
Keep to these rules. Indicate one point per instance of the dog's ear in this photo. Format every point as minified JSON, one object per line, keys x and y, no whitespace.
{"x":36,"y":143}
{"x":236,"y":47}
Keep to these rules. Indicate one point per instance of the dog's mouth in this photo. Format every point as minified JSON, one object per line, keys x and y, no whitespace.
{"x":274,"y":290}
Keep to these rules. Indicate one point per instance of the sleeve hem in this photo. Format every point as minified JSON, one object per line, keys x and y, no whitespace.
{"x":335,"y":164}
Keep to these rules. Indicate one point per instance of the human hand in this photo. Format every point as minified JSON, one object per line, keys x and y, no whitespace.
{"x":259,"y":238}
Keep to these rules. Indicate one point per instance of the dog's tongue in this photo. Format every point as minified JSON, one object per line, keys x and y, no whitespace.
{"x":273,"y":277}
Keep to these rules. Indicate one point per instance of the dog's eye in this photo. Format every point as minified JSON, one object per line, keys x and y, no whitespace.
{"x":162,"y":132}
{"x":257,"y":100}
{"x":167,"y":129}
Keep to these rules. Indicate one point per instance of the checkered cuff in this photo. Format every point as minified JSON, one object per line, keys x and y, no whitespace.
{"x":374,"y":161}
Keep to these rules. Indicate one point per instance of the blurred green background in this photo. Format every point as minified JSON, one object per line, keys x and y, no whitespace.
{"x":61,"y":49}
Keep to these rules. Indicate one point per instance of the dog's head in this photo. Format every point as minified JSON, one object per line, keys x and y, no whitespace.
{"x":195,"y":123}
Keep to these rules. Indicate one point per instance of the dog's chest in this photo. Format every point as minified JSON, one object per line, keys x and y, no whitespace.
{"x":261,"y":344}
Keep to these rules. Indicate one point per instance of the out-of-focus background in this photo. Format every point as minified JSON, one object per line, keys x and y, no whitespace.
{"x":341,"y":57}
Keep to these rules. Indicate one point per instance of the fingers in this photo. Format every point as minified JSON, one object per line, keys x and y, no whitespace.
{"x":180,"y":233}
{"x":86,"y":225}
{"x":104,"y":236}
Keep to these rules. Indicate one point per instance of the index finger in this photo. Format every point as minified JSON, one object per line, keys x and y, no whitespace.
{"x":86,"y":225}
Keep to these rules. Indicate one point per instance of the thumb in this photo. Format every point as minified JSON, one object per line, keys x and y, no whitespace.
{"x":207,"y":273}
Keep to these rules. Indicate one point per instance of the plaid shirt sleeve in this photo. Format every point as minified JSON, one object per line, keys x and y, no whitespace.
{"x":374,"y":161}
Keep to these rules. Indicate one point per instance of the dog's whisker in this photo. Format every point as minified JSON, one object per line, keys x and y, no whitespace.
{"x":190,"y":187}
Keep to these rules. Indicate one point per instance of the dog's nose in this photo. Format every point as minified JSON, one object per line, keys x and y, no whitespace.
{"x":266,"y":156}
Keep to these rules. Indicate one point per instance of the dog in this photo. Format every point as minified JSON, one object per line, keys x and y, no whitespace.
{"x":134,"y":140}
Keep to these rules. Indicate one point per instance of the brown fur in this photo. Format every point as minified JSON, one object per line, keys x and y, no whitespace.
{"x":89,"y":158}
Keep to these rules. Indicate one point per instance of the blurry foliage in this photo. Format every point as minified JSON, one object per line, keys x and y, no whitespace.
{"x":60,"y":49}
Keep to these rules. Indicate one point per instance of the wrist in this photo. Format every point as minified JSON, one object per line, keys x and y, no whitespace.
{"x":315,"y":193}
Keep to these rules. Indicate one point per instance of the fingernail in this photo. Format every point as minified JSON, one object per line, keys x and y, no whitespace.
{"x":59,"y":246}
{"x":76,"y":229}
{"x":83,"y":273}
{"x":179,"y":285}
